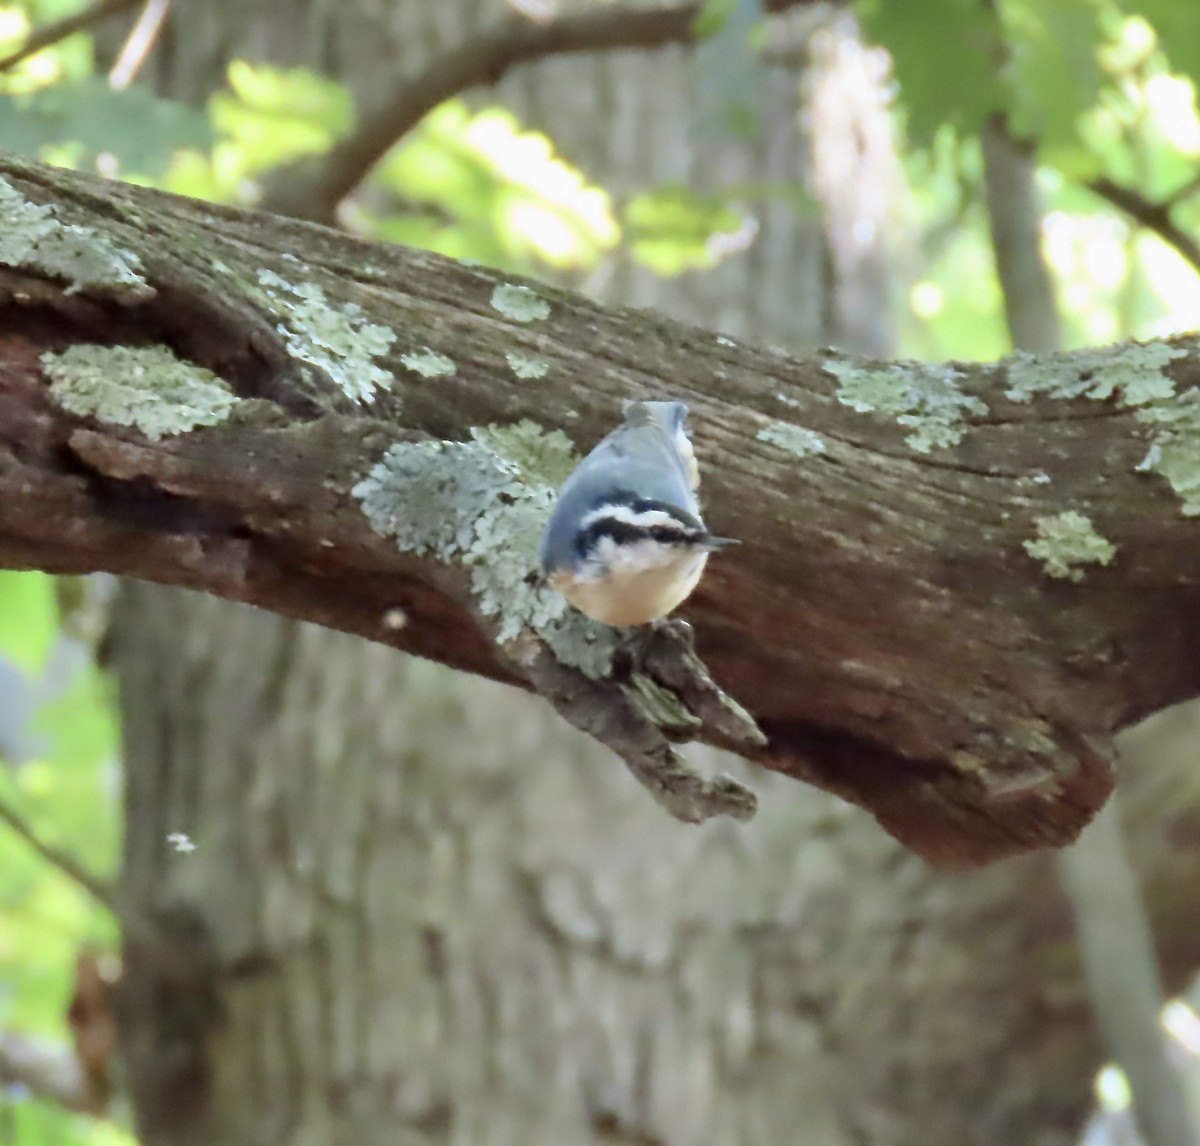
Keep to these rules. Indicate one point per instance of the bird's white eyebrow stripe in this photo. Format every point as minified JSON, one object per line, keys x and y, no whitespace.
{"x":643,"y":519}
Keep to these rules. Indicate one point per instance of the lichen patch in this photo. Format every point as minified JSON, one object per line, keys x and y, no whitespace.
{"x":525,"y":367}
{"x":484,"y":503}
{"x":1131,"y":373}
{"x":1174,"y":451}
{"x":338,"y":341}
{"x":520,"y":303}
{"x":796,"y":440}
{"x":33,"y":238}
{"x":146,"y":387}
{"x":925,"y":397}
{"x":429,"y":363}
{"x":1066,"y":541}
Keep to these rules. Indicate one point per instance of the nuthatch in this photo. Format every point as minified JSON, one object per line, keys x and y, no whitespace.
{"x":625,"y":543}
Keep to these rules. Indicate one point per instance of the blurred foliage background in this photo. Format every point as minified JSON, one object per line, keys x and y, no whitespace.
{"x":1106,"y":90}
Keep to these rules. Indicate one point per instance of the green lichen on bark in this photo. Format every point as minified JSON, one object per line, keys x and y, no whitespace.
{"x":924,"y":397}
{"x":146,"y":387}
{"x":525,"y":367}
{"x":338,"y":341}
{"x":429,"y":363}
{"x":33,"y":238}
{"x":1131,"y":373}
{"x":484,"y":503}
{"x":796,"y":440}
{"x":1174,"y":451}
{"x":1067,"y":540}
{"x":543,"y":456}
{"x":520,"y":303}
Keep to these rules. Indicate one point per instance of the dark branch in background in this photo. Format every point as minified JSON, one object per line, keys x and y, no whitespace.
{"x":1154,"y":217}
{"x":66,"y":863}
{"x":314,"y":191}
{"x":1183,"y":193}
{"x":52,"y":33}
{"x":144,"y":930}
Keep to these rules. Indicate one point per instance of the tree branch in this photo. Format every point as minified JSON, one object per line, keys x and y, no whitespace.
{"x":52,"y":33}
{"x":56,"y":857}
{"x":138,"y":43}
{"x":1154,"y":217}
{"x":1124,"y":984}
{"x":1014,"y":222}
{"x":313,"y":190}
{"x":47,"y":1070}
{"x":954,"y":584}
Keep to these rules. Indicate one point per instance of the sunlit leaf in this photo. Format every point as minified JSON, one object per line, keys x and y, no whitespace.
{"x":28,"y":619}
{"x":711,"y":17}
{"x":271,"y":116}
{"x":78,"y":730}
{"x":483,"y":170}
{"x":671,"y":228}
{"x":1177,"y":23}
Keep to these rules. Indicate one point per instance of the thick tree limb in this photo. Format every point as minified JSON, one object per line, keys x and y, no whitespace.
{"x":952,"y":587}
{"x":314,"y":190}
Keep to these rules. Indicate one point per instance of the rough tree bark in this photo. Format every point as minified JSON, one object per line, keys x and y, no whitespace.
{"x":873,"y":542}
{"x":435,"y":947}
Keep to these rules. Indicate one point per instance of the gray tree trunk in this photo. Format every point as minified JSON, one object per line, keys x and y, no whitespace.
{"x":412,"y":928}
{"x":423,"y":911}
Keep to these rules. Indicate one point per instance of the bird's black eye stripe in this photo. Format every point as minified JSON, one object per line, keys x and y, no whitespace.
{"x":623,"y":533}
{"x":637,"y":504}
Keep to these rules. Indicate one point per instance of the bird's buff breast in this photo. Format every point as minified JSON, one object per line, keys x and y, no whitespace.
{"x":633,"y":597}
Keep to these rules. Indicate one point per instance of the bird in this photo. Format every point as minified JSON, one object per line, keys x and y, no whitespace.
{"x":625,"y":543}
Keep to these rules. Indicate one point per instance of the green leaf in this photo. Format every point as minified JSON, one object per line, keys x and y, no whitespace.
{"x":270,"y":116}
{"x":672,"y":227}
{"x":945,"y":57}
{"x":505,"y":185}
{"x":140,"y":129}
{"x":28,"y":620}
{"x":711,"y":17}
{"x":1177,"y":23}
{"x":1053,"y":47}
{"x":78,"y":733}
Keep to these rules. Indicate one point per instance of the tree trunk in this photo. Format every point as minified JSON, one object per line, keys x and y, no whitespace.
{"x":395,"y":928}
